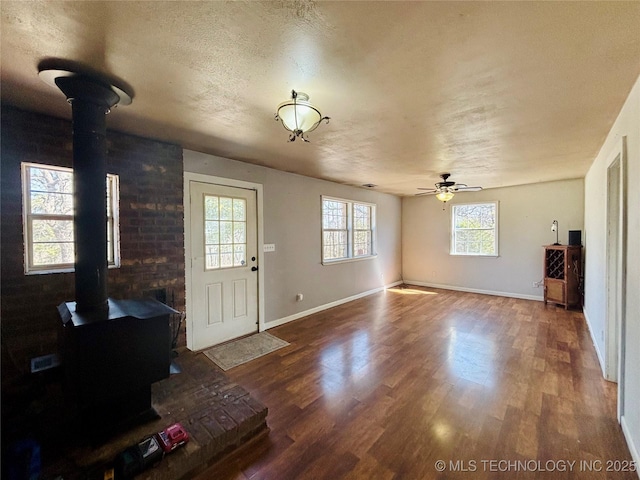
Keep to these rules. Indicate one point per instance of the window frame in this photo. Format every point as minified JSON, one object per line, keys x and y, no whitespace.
{"x":112,"y":214}
{"x":350,"y":229}
{"x":233,"y":221}
{"x":496,"y":230}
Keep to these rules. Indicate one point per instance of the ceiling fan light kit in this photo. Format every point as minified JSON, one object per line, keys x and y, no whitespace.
{"x":446,"y":189}
{"x":444,"y":196}
{"x":299,"y":116}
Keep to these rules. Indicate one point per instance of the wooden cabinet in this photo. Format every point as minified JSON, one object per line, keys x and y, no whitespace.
{"x":562,"y":270}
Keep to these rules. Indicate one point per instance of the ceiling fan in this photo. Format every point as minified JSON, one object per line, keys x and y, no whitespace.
{"x":446,"y":189}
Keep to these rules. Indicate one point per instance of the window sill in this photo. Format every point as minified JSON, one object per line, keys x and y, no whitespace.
{"x":348,"y":260}
{"x":60,"y":270}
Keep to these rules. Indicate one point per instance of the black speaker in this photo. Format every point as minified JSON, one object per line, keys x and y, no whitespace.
{"x":575,"y":237}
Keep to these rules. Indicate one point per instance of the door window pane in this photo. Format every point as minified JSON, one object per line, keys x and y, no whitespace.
{"x":212,"y":254}
{"x":225,"y":232}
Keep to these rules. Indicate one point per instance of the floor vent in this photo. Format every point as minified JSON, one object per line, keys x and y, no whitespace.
{"x":44,"y":362}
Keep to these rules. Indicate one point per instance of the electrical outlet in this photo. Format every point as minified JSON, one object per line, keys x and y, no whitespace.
{"x":535,"y":285}
{"x":299,"y":297}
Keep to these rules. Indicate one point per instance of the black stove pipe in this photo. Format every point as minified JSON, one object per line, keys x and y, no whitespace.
{"x":90,"y":102}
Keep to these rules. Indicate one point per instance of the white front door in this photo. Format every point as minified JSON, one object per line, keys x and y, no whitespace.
{"x":224,"y":277}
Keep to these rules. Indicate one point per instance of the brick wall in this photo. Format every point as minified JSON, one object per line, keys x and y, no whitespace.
{"x":151,"y":231}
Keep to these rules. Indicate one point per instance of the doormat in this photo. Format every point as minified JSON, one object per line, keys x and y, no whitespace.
{"x":232,"y":354}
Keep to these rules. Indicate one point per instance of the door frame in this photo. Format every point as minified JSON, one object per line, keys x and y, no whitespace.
{"x":616,"y":253}
{"x":225,"y":182}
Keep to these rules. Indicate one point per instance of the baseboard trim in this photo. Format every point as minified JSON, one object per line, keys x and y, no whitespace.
{"x":311,"y":311}
{"x":630,"y":443}
{"x":595,"y":344}
{"x":475,"y":290}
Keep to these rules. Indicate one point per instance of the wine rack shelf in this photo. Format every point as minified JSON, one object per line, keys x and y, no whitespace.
{"x":562,"y":270}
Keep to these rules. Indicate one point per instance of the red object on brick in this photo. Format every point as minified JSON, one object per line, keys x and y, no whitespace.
{"x":173,"y":437}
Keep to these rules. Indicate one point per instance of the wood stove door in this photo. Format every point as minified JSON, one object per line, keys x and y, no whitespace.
{"x":223,"y":263}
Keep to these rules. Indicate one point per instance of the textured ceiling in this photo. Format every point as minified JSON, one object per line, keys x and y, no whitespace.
{"x":496,"y":93}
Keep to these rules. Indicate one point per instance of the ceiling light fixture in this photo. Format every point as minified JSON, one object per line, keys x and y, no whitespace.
{"x":298,"y":116}
{"x":444,"y":195}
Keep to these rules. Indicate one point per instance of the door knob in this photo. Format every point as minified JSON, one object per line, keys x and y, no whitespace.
{"x":253,"y":269}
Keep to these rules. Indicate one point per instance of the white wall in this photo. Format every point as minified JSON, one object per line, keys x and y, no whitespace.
{"x":627,"y":124}
{"x":525,"y":216}
{"x":292,"y":210}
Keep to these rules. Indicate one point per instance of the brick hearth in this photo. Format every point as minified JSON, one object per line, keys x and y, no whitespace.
{"x":218,"y":414}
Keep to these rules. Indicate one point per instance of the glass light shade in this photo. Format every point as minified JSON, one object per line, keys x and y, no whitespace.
{"x":444,"y":196}
{"x":299,"y":115}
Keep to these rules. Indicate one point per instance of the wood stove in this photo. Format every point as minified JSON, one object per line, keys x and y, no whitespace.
{"x":112,"y":358}
{"x":112,"y":350}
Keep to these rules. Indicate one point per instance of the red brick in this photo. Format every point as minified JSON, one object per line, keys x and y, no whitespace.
{"x":151,"y":178}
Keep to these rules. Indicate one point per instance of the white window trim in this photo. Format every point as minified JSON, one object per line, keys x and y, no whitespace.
{"x":350,"y":258}
{"x":496,"y":229}
{"x":115,"y":215}
{"x":26,"y":223}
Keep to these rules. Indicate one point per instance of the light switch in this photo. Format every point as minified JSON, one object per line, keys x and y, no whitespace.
{"x":269,"y":247}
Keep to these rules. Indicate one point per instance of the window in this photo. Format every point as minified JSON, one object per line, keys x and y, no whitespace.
{"x":362,"y":230}
{"x":225,"y":227}
{"x":48,"y":218}
{"x":474,"y":229}
{"x":347,"y":229}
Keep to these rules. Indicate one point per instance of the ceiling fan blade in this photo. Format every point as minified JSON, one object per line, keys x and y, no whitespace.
{"x":425,"y":193}
{"x":448,"y":186}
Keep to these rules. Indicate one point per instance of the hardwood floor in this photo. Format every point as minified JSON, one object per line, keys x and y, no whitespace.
{"x":385,"y":386}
